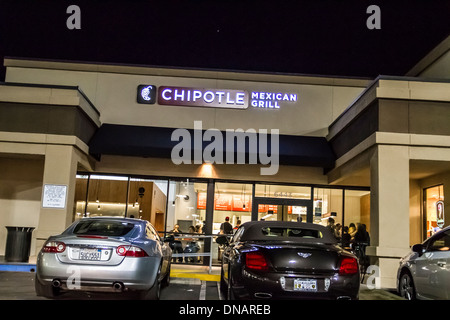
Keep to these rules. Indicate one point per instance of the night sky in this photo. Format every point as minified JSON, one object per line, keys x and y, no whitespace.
{"x":306,"y":37}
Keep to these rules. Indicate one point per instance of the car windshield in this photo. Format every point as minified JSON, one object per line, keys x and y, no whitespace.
{"x":103,"y":228}
{"x":291,"y":232}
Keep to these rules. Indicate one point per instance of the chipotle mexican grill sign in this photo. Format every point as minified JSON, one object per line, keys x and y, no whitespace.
{"x":199,"y":97}
{"x":212,"y":98}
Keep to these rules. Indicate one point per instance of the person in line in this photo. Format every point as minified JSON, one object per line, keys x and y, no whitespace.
{"x":226,"y":227}
{"x":361,"y":235}
{"x":346,"y":238}
{"x":176,"y":245}
{"x":199,"y":228}
{"x":338,"y":231}
{"x":352,"y":230}
{"x":238,"y":224}
{"x":331,"y":226}
{"x":192,"y":246}
{"x":361,"y":241}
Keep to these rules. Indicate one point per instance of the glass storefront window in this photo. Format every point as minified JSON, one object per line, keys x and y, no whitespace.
{"x":186,"y":217}
{"x":280,"y":191}
{"x":107,"y":196}
{"x":327,"y":204}
{"x":269,"y":212}
{"x":178,"y":207}
{"x":186,"y":206}
{"x":147,"y":200}
{"x":434,"y":209}
{"x":80,"y":196}
{"x":357,"y":211}
{"x":232,"y":201}
{"x":98,"y":195}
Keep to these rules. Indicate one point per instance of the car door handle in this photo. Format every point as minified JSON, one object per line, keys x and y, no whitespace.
{"x":441,"y":263}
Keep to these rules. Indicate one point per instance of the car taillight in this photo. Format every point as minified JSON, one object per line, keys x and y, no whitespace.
{"x":54,"y":247}
{"x":131,"y":251}
{"x":349,"y":265}
{"x":256,"y":261}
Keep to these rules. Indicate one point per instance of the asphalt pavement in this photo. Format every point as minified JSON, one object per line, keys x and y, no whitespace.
{"x":188,"y":282}
{"x":16,"y":285}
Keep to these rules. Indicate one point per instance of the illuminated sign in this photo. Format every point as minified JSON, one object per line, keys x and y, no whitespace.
{"x":146,"y":94}
{"x":196,"y":97}
{"x":271,"y":100}
{"x":213,"y":98}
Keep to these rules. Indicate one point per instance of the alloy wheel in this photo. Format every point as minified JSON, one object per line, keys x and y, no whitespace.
{"x":407,"y":289}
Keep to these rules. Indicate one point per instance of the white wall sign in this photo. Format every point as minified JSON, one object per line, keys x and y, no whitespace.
{"x":54,"y":196}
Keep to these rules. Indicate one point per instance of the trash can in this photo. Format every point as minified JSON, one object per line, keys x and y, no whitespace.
{"x":18,"y":243}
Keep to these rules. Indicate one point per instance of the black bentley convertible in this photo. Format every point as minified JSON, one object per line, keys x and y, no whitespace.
{"x":287,"y":260}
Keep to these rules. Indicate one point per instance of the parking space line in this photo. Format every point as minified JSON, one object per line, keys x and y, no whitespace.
{"x":203,"y":291}
{"x":219,"y":291}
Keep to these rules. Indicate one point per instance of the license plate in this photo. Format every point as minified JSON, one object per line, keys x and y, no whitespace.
{"x":91,"y":254}
{"x":305,"y":285}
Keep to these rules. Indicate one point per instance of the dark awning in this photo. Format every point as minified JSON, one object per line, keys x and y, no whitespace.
{"x":139,"y":141}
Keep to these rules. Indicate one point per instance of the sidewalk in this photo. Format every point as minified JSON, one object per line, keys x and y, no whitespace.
{"x":29,"y":266}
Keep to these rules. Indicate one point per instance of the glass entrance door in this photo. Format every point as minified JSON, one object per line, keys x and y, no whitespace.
{"x":276,"y":209}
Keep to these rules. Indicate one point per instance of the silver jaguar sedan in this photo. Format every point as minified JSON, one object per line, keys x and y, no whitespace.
{"x":425,"y":272}
{"x":104,"y":254}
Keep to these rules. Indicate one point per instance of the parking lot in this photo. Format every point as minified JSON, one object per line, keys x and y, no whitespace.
{"x":187,"y":283}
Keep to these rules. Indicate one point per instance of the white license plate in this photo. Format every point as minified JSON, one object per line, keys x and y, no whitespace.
{"x":91,"y":254}
{"x":305,"y":285}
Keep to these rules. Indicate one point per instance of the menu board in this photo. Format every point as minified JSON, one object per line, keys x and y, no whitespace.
{"x":223,"y":202}
{"x":271,"y":207}
{"x":226,"y":202}
{"x":201,"y":201}
{"x":236,"y":202}
{"x":241,"y":203}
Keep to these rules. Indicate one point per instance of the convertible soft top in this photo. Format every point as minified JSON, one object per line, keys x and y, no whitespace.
{"x":286,"y":231}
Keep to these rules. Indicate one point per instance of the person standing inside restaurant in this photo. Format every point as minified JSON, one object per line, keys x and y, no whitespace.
{"x":330,"y":226}
{"x":226,"y":227}
{"x":238,"y":224}
{"x":176,"y":245}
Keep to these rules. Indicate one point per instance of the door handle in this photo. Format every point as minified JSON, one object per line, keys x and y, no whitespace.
{"x":441,"y":263}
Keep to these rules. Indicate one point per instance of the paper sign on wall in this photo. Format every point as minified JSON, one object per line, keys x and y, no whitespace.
{"x":54,"y":196}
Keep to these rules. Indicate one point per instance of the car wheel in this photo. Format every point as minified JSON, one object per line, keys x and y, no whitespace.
{"x":406,"y":287}
{"x":155,"y":291}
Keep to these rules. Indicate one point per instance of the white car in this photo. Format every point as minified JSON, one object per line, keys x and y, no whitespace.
{"x":425,"y":272}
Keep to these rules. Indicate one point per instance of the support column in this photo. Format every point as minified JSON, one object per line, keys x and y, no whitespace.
{"x":60,"y":168}
{"x":389,"y":206}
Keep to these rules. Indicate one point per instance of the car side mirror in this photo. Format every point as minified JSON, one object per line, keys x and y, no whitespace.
{"x":169,"y":238}
{"x":418,"y":248}
{"x":222,"y":240}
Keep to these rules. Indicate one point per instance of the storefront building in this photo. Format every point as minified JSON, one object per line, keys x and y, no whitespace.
{"x":192,"y":147}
